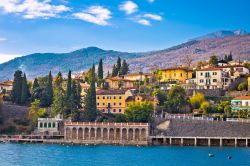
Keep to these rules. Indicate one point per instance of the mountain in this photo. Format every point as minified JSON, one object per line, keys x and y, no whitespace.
{"x":198,"y":50}
{"x":222,"y":34}
{"x":40,"y":64}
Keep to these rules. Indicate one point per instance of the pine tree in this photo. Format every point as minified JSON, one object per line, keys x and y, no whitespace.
{"x":100,"y":70}
{"x":90,"y":110}
{"x":69,"y":85}
{"x":230,"y":56}
{"x":226,"y":58}
{"x":17,"y":87}
{"x":25,"y":89}
{"x":35,"y":85}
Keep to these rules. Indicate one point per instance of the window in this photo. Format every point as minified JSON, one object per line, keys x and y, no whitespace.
{"x":97,"y":103}
{"x":120,"y":103}
{"x":54,"y":125}
{"x":114,"y":97}
{"x":114,"y":110}
{"x":114,"y":103}
{"x":98,"y":97}
{"x":201,"y":74}
{"x":49,"y":125}
{"x":120,"y":110}
{"x":103,"y":97}
{"x":120,"y":97}
{"x":41,"y":125}
{"x":45,"y":125}
{"x":214,"y":80}
{"x":201,"y":81}
{"x":103,"y":110}
{"x":103,"y":103}
{"x":181,"y":74}
{"x":246,"y":103}
{"x":214,"y":73}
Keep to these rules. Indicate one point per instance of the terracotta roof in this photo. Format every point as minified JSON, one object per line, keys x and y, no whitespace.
{"x":117,"y":78}
{"x":111,"y":91}
{"x":6,"y":83}
{"x":138,"y":73}
{"x":242,"y":98}
{"x":230,"y":66}
{"x":177,"y":68}
{"x":210,"y":69}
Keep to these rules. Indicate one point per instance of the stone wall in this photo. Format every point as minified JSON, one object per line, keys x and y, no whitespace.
{"x":106,"y":133}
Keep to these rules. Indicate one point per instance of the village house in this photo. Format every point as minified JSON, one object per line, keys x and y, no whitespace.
{"x":138,"y":98}
{"x":176,"y":74}
{"x":139,"y":76}
{"x":112,"y":100}
{"x":120,"y":83}
{"x":241,"y":103}
{"x":49,"y":126}
{"x":6,"y":87}
{"x":248,"y":82}
{"x":235,"y":71}
{"x":212,"y":78}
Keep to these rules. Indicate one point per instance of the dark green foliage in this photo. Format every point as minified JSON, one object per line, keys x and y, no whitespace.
{"x":100,"y":70}
{"x":90,"y":110}
{"x":176,"y":99}
{"x":213,"y":60}
{"x":125,"y":68}
{"x":59,"y":80}
{"x":25,"y":89}
{"x":120,"y":118}
{"x":47,"y":92}
{"x":17,"y":87}
{"x":69,"y":85}
{"x":35,"y":85}
{"x":118,"y":65}
{"x":114,"y":71}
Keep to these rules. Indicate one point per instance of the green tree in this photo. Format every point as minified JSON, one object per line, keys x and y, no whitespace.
{"x":242,"y":86}
{"x":120,"y":118}
{"x":69,"y":85}
{"x":59,"y":80}
{"x":17,"y":87}
{"x":35,"y":85}
{"x":36,"y":112}
{"x":205,"y":107}
{"x":196,"y":100}
{"x":114,"y":71}
{"x":213,"y":60}
{"x":100,"y":70}
{"x":124,"y":68}
{"x":230,"y":57}
{"x":25,"y":89}
{"x":176,"y":98}
{"x":139,"y":111}
{"x":161,"y":96}
{"x":118,"y":65}
{"x":90,"y":110}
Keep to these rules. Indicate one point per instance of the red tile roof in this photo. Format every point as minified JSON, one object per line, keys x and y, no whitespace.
{"x":242,"y":98}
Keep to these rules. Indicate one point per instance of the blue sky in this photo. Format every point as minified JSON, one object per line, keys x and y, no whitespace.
{"x":29,"y":26}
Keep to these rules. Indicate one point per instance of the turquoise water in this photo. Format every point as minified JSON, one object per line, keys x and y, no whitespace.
{"x":50,"y":155}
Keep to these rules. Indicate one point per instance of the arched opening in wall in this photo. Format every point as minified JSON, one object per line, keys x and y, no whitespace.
{"x":111,"y":134}
{"x":98,"y":133}
{"x":92,"y":133}
{"x":80,"y":133}
{"x":130,"y":134}
{"x":137,"y":134}
{"x":74,"y":135}
{"x":118,"y":134}
{"x":68,"y":133}
{"x":49,"y":125}
{"x":86,"y":133}
{"x":41,"y":125}
{"x":124,"y":134}
{"x":54,"y":125}
{"x":105,"y":134}
{"x":143,"y":135}
{"x":45,"y":125}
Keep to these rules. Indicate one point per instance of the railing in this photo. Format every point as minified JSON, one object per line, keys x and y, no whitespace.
{"x":238,"y":120}
{"x":184,"y":116}
{"x":106,"y":124}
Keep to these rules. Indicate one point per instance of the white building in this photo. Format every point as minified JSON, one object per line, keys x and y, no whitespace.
{"x":49,"y":126}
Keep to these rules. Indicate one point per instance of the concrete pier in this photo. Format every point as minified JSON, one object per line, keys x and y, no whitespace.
{"x":200,"y":141}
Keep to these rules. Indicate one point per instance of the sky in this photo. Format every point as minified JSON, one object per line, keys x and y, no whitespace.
{"x":31,"y":26}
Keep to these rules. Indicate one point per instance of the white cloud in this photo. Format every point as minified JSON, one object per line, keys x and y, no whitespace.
{"x":151,"y":1}
{"x":2,"y":39}
{"x":95,"y":14}
{"x":31,"y":9}
{"x":144,"y":22}
{"x":128,"y":7}
{"x":7,"y":57}
{"x":153,"y":17}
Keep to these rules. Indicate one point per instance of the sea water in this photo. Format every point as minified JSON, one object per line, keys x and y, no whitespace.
{"x":69,"y":155}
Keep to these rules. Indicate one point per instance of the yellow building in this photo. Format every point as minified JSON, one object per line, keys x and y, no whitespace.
{"x":137,"y":76}
{"x":248,"y":80}
{"x":120,"y":83}
{"x":178,"y":74}
{"x":141,"y":98}
{"x":112,"y":100}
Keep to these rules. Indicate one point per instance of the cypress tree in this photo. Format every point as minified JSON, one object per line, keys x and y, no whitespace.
{"x":100,"y":70}
{"x":90,"y":110}
{"x":124,"y":68}
{"x":25,"y":89}
{"x":17,"y":87}
{"x":58,"y":99}
{"x":49,"y":90}
{"x":230,"y":56}
{"x":69,"y":85}
{"x":59,"y":80}
{"x":114,"y":71}
{"x":35,"y":85}
{"x":118,"y":66}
